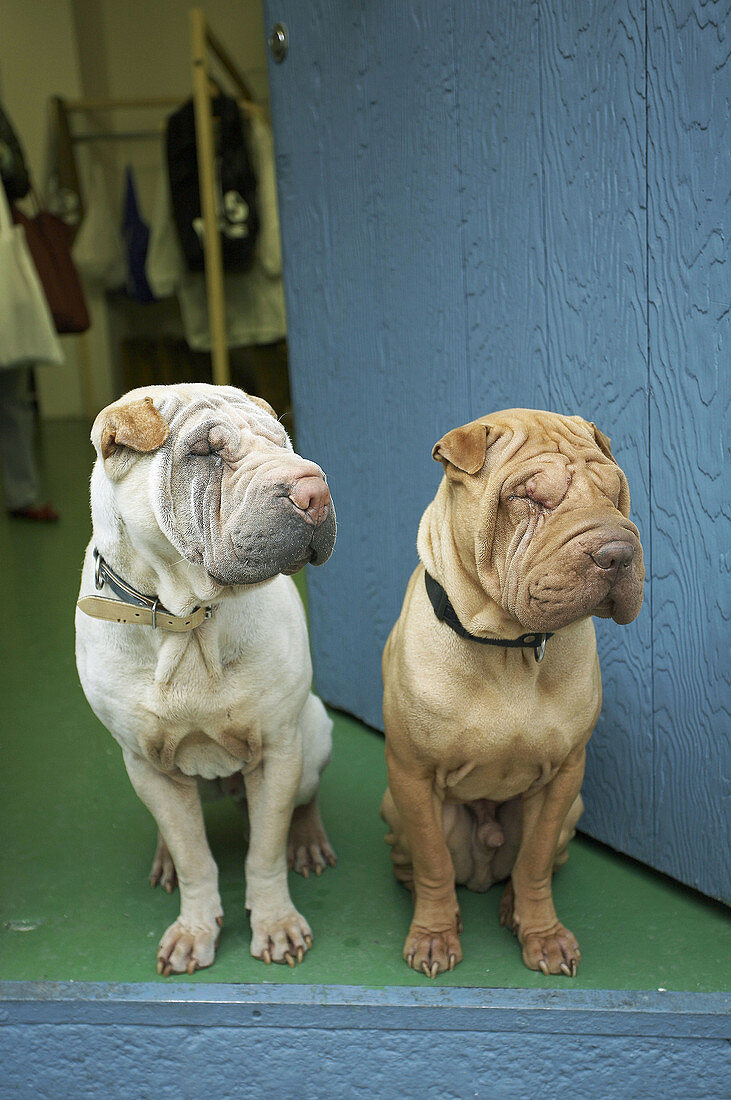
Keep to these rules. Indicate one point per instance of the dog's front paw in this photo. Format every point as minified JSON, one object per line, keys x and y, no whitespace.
{"x":185,"y":948}
{"x":552,"y":952}
{"x":284,"y":939}
{"x":432,"y":952}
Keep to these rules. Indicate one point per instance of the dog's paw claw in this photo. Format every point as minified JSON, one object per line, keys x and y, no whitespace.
{"x":184,"y":949}
{"x":285,"y":940}
{"x":310,"y":858}
{"x":431,"y":953}
{"x":552,"y":952}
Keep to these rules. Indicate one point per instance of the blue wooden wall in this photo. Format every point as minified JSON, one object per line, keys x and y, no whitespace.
{"x":486,"y":205}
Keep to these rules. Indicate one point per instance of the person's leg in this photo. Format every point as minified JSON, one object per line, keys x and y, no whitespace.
{"x":20,"y":477}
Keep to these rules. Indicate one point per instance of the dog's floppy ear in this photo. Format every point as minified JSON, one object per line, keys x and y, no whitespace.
{"x":264,"y":404}
{"x":605,"y":446}
{"x":463,"y":448}
{"x":602,"y":441}
{"x":136,"y":426}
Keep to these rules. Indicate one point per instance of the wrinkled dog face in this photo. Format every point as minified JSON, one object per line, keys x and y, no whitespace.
{"x":555,"y":542}
{"x":227,"y":489}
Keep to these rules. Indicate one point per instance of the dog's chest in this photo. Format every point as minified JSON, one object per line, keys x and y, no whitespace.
{"x":211,"y":749}
{"x":205,"y":722}
{"x":514,"y":744}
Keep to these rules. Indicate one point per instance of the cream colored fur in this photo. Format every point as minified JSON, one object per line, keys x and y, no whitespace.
{"x":230,"y":699}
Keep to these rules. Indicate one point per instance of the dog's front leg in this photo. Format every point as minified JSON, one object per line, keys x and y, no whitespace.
{"x":547,"y":945}
{"x":432,"y":944}
{"x":278,"y":932}
{"x":189,"y":943}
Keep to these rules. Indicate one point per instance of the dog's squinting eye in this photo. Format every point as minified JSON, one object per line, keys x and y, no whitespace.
{"x":200,"y":449}
{"x":529,"y":502}
{"x":206,"y":452}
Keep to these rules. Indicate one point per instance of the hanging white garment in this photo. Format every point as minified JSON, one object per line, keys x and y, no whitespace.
{"x":164,"y":264}
{"x":254,"y":300}
{"x":27,"y":332}
{"x":98,"y":250}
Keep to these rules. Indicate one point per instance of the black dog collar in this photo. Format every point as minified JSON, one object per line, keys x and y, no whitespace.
{"x":446,"y":614}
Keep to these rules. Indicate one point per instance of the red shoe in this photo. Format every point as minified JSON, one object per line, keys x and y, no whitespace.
{"x":39,"y":513}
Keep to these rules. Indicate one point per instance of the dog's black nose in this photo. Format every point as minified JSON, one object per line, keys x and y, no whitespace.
{"x":614,"y":555}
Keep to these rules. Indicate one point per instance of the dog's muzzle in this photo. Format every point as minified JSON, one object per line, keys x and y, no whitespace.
{"x":284,"y":528}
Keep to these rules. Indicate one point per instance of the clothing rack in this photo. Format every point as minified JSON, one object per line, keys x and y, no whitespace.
{"x":119,"y":135}
{"x":203,"y":44}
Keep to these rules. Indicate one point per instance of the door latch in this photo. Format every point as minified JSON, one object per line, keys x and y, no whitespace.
{"x":279,"y":42}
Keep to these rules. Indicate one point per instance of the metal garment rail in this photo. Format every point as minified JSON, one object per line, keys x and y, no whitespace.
{"x":204,"y":43}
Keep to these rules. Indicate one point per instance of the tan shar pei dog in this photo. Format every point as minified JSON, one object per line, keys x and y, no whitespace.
{"x":192,"y":648}
{"x":491,"y":675}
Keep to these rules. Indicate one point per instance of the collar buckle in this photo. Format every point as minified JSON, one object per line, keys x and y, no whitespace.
{"x":98,"y":573}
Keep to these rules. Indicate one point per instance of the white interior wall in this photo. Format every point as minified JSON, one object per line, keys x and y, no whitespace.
{"x":38,"y":58}
{"x":109,"y":48}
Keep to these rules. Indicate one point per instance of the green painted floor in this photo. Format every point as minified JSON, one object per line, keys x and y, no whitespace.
{"x":77,"y":845}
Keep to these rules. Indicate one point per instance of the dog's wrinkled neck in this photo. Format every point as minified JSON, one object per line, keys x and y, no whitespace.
{"x":148,"y":562}
{"x":472,"y":595}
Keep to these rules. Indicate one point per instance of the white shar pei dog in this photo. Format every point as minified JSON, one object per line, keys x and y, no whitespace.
{"x":192,"y":645}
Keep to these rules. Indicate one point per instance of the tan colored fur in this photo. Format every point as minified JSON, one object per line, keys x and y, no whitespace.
{"x":485,"y":746}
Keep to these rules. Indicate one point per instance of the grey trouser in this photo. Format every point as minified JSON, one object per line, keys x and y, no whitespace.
{"x":16,"y":438}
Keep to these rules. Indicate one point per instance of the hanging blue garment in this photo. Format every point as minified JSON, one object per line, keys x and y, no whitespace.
{"x":136,"y":234}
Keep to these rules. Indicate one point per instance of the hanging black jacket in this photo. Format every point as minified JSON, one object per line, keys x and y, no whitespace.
{"x":235,"y":185}
{"x":12,"y":162}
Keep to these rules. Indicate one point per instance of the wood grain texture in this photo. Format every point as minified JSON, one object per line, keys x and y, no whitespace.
{"x":463,"y":192}
{"x":500,"y":182}
{"x":366,"y":140}
{"x":592,"y":61}
{"x":689,"y":79}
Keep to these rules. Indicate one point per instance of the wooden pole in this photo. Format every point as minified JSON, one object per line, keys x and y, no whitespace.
{"x":207,"y":179}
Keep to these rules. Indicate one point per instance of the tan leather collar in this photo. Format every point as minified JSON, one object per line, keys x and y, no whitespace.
{"x":134,"y":607}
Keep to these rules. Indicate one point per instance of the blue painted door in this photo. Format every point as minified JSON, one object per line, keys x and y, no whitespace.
{"x":487,"y":205}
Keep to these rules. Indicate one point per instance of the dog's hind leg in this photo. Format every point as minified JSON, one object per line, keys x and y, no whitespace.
{"x":568,"y":831}
{"x":308,"y":847}
{"x":162,"y":872}
{"x":396,"y":836}
{"x":472,"y":833}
